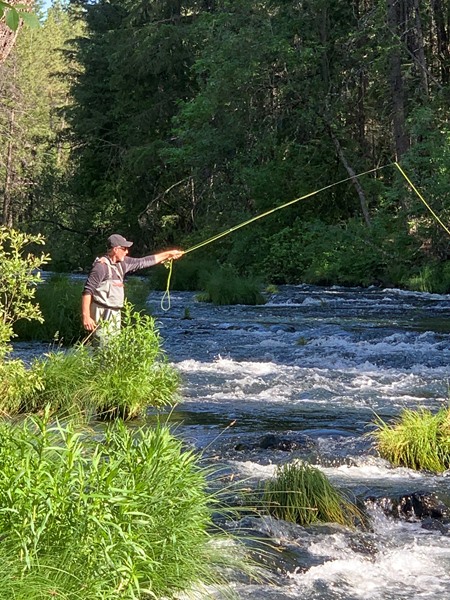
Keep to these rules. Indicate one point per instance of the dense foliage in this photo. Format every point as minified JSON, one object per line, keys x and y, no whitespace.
{"x":125,"y":518}
{"x":172,"y":120}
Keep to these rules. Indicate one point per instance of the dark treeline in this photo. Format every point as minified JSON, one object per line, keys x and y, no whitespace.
{"x":171,"y":120}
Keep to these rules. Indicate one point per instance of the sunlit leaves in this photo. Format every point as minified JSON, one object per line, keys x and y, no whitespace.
{"x":13,"y":15}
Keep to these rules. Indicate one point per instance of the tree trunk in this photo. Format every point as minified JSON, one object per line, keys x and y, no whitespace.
{"x":7,"y":213}
{"x":442,"y":34}
{"x":401,"y":140}
{"x":355,"y":180}
{"x":420,"y":51}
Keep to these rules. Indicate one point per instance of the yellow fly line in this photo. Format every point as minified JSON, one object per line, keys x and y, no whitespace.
{"x":421,"y":197}
{"x":165,"y":300}
{"x":280,"y":207}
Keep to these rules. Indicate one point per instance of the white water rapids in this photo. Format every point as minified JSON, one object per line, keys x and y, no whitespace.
{"x":320,"y":362}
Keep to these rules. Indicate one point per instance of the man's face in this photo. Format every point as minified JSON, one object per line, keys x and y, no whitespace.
{"x":120,"y":252}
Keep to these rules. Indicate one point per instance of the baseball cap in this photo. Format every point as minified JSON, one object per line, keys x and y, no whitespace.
{"x":118,"y":240}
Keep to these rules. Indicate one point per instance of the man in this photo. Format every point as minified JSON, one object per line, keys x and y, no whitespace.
{"x":103,"y":294}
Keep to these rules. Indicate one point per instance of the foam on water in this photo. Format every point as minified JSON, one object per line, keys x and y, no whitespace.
{"x":408,"y":563}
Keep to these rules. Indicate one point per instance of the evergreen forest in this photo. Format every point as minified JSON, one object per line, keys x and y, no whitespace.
{"x":170,"y":121}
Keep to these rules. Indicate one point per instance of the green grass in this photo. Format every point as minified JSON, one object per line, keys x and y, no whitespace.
{"x":419,"y":440}
{"x":119,"y":515}
{"x":225,"y":286}
{"x":302,"y":494}
{"x":16,"y":384}
{"x":130,"y":371}
{"x":121,"y":378}
{"x":59,"y":299}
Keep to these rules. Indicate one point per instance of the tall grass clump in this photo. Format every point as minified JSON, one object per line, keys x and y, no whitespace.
{"x":119,"y":379}
{"x":64,"y":377}
{"x":130,"y":371}
{"x":58,"y":299}
{"x":419,"y":440}
{"x":124,"y":518}
{"x":225,"y":286}
{"x":302,"y":494}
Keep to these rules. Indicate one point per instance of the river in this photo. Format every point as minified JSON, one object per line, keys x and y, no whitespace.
{"x":321,"y":363}
{"x":317,"y":364}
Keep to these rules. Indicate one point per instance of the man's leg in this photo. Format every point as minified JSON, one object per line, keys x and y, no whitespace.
{"x":108,"y":323}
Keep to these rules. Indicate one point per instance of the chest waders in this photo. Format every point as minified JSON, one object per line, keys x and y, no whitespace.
{"x":107,"y":302}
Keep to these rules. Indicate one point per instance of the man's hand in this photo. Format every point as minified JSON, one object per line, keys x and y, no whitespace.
{"x":89,"y":324}
{"x":168,"y":255}
{"x":174,"y":254}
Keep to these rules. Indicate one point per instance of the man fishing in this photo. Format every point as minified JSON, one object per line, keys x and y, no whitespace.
{"x":103,"y":294}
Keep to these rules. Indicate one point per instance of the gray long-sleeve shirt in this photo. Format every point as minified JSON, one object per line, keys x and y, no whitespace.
{"x":101,"y":271}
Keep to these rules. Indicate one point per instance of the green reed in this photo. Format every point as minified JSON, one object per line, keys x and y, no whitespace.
{"x":302,"y":494}
{"x":419,"y":440}
{"x":123,"y":514}
{"x":122,"y":378}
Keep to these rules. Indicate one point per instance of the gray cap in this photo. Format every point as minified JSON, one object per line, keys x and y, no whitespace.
{"x":118,"y":240}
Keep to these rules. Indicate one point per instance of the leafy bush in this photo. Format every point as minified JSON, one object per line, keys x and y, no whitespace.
{"x":226,"y":287}
{"x":302,"y":494}
{"x":122,"y":518}
{"x":16,"y":384}
{"x":345,"y":253}
{"x":18,"y":278}
{"x":418,"y":440}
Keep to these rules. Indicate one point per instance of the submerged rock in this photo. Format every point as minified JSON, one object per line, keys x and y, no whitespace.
{"x":415,"y":506}
{"x":277,"y":442}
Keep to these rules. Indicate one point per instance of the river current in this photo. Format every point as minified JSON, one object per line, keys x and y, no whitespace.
{"x":317,"y":364}
{"x":320,"y":363}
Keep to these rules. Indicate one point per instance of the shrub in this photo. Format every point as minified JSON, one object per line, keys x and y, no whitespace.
{"x":419,"y":439}
{"x":16,"y":384}
{"x":226,"y":287}
{"x":123,"y":518}
{"x":18,"y":278}
{"x":302,"y":494}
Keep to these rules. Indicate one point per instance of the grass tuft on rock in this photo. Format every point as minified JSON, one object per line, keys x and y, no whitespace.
{"x":302,"y":494}
{"x":419,"y":440}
